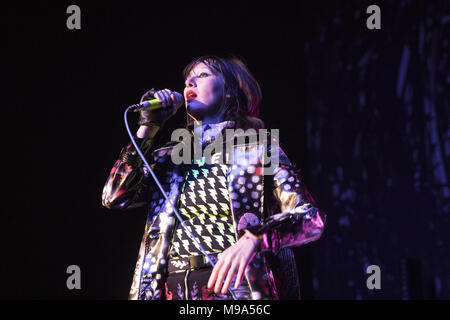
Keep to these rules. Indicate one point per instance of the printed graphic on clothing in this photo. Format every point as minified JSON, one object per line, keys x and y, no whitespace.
{"x":205,"y":204}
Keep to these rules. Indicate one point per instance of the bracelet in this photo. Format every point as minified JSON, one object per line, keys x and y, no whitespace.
{"x":248,"y":233}
{"x":149,"y":123}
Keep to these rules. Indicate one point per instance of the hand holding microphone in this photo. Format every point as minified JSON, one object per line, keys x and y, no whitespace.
{"x":156,"y":107}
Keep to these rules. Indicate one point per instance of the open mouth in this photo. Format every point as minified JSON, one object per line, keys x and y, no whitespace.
{"x":190,"y":95}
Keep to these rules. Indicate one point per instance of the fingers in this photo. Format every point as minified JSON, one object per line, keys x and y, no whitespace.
{"x":225,"y":269}
{"x":230,"y":276}
{"x":240,"y":276}
{"x":221,"y":276}
{"x":177,"y":98}
{"x":213,"y":276}
{"x":233,"y":260}
{"x":163,"y":97}
{"x":169,"y":98}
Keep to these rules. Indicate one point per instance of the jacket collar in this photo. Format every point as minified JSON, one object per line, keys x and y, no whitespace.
{"x":207,"y":133}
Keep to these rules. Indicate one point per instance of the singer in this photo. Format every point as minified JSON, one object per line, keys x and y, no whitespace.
{"x":246,"y":220}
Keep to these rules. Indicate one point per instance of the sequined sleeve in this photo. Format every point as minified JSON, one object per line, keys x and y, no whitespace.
{"x":295,"y":218}
{"x":128,"y":182}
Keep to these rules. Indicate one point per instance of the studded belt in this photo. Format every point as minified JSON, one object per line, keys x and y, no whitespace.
{"x":179,"y":264}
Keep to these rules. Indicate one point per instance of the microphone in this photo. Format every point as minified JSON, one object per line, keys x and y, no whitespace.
{"x":153,"y":104}
{"x":148,"y":104}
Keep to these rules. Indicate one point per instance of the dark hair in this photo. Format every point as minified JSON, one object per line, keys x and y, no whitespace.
{"x":245,"y":92}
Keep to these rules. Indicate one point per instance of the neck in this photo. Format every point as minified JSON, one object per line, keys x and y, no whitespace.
{"x":216,"y":118}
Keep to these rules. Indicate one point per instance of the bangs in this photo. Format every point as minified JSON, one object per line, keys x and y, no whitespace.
{"x":212,"y":62}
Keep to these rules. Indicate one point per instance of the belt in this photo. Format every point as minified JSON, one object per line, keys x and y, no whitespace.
{"x":179,"y":264}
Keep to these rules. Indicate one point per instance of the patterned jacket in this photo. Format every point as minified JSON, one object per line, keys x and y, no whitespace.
{"x":278,"y":207}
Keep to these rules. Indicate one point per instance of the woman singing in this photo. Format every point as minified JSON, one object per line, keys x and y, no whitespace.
{"x":245,"y":219}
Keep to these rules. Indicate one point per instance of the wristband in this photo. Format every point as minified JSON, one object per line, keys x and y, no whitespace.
{"x":251,"y":235}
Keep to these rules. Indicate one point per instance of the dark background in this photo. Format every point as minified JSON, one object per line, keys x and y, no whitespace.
{"x":365,"y":113}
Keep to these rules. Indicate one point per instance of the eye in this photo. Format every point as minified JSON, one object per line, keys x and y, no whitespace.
{"x":203,"y":74}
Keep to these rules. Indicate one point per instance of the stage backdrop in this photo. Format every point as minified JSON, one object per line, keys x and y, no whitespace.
{"x":378,"y":144}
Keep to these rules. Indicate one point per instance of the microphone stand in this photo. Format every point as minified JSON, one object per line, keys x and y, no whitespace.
{"x":180,"y":219}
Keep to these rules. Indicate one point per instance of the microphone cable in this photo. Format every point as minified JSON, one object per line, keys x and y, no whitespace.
{"x":180,"y":219}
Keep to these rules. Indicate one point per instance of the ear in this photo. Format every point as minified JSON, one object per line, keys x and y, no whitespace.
{"x":228,"y":94}
{"x":227,"y":91}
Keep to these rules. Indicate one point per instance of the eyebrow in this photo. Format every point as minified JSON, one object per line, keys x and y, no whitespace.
{"x":200,"y":71}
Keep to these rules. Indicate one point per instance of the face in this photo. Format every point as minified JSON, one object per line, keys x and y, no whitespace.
{"x":203,"y":92}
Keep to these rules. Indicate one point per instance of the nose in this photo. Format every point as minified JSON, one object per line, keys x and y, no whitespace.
{"x":190,"y":83}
